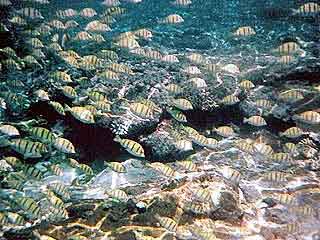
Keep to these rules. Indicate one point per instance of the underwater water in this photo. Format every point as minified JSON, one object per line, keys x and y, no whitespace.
{"x":159,"y":119}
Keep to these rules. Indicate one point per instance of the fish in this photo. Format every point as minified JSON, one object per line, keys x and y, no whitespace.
{"x":42,"y":134}
{"x":28,"y":148}
{"x":143,"y":33}
{"x":60,"y":76}
{"x":225,"y":131}
{"x":97,"y":26}
{"x":286,"y":59}
{"x":32,"y":172}
{"x":256,"y":121}
{"x":86,"y":169}
{"x":64,"y":145}
{"x":67,"y":13}
{"x":80,"y":113}
{"x":167,"y":223}
{"x":54,"y":200}
{"x":263,"y":149}
{"x":17,"y":20}
{"x":131,"y":146}
{"x":56,"y":169}
{"x":60,"y":189}
{"x":285,"y":199}
{"x":172,"y":19}
{"x":275,"y":177}
{"x":202,"y":194}
{"x":308,"y":9}
{"x":164,"y":169}
{"x":127,"y":42}
{"x":309,"y":117}
{"x":5,"y":3}
{"x":182,"y":104}
{"x":177,"y":115}
{"x":13,"y":161}
{"x":291,"y":96}
{"x":246,"y":85}
{"x":293,"y":132}
{"x":30,"y":207}
{"x":57,"y":107}
{"x":30,"y":12}
{"x":116,"y":166}
{"x":230,"y":100}
{"x":69,"y":92}
{"x":82,"y":36}
{"x":9,"y":130}
{"x":118,"y":194}
{"x":182,"y":3}
{"x":187,"y":165}
{"x":199,"y":139}
{"x":170,"y":58}
{"x":88,"y":13}
{"x":15,"y":219}
{"x":287,"y":48}
{"x":244,"y":31}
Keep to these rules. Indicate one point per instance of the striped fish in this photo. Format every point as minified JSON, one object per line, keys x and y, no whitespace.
{"x":288,"y":48}
{"x":17,"y":20}
{"x":170,"y":59}
{"x":244,"y":31}
{"x":97,"y":26}
{"x":131,"y":146}
{"x":88,"y":13}
{"x":82,"y":36}
{"x":116,"y":166}
{"x":177,"y":115}
{"x":172,"y":19}
{"x":81,"y":113}
{"x":127,"y":42}
{"x":164,"y":169}
{"x":54,"y":200}
{"x":30,"y":207}
{"x":57,"y":107}
{"x":86,"y":169}
{"x":31,"y":13}
{"x":167,"y":223}
{"x":32,"y":172}
{"x":64,"y":145}
{"x":67,"y":13}
{"x":60,"y":189}
{"x":28,"y":148}
{"x":308,"y":9}
{"x":182,"y":104}
{"x":119,"y":195}
{"x":309,"y":117}
{"x":141,"y":110}
{"x":42,"y":134}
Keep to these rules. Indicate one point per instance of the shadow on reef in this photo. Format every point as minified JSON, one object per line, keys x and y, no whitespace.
{"x":92,"y":142}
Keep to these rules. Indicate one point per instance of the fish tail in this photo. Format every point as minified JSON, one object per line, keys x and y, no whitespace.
{"x":66,"y":107}
{"x":116,"y":138}
{"x":4,"y":141}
